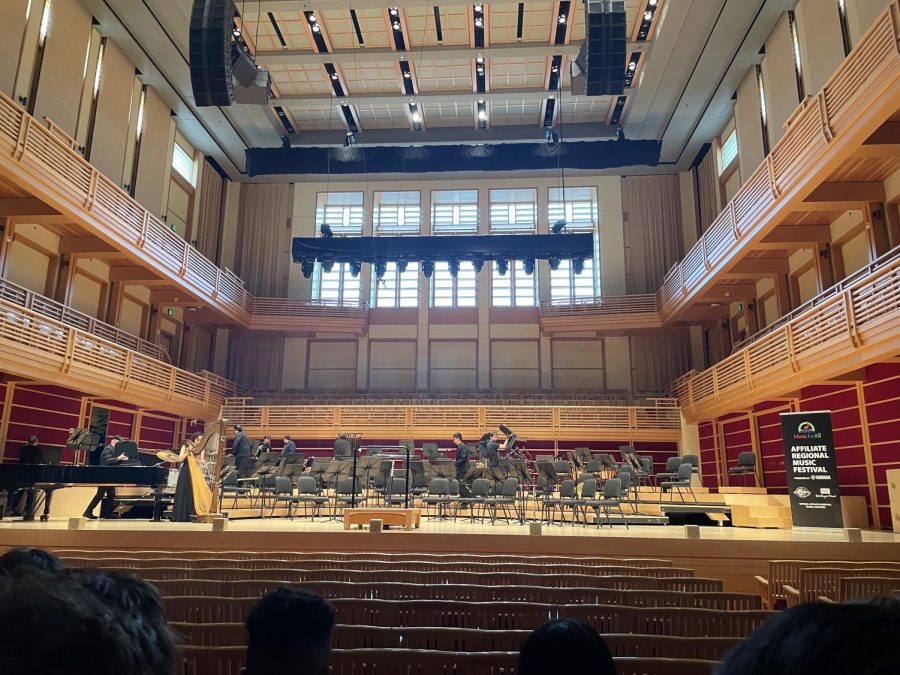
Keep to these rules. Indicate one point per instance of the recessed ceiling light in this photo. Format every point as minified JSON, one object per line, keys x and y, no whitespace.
{"x":482,"y":115}
{"x":648,"y":15}
{"x":407,"y":74}
{"x":394,"y":11}
{"x":562,"y":18}
{"x":478,"y":22}
{"x":334,"y":76}
{"x":477,"y":8}
{"x":312,"y":18}
{"x":315,"y":28}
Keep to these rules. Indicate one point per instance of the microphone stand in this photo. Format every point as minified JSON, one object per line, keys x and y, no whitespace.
{"x":353,"y":494}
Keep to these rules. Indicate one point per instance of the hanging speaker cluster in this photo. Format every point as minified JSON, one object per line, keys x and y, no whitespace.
{"x":223,"y":71}
{"x":599,"y":68}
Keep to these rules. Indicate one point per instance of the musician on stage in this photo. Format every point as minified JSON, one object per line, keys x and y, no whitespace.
{"x":240,"y":448}
{"x":265,"y":445}
{"x":192,"y":495}
{"x":462,"y":457}
{"x":289,"y":447}
{"x":492,"y":450}
{"x":106,"y":495}
{"x":342,"y":448}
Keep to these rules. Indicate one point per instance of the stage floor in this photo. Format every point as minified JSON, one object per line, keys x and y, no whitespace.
{"x":729,"y":553}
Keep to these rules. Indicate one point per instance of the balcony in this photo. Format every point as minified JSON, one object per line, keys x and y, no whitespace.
{"x":618,"y":312}
{"x":852,"y":325}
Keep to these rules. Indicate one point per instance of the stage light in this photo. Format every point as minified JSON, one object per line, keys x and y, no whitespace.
{"x":562,"y":18}
{"x":482,"y":115}
{"x":325,"y":230}
{"x":396,"y":25}
{"x":380,"y":268}
{"x":427,"y":269}
{"x":632,"y":65}
{"x":477,"y":8}
{"x":529,"y":266}
{"x":551,"y":136}
{"x":407,"y":74}
{"x":477,"y":264}
{"x":394,"y":11}
{"x":307,"y":267}
{"x":578,"y":265}
{"x":479,"y":60}
{"x":502,"y":267}
{"x":558,"y":227}
{"x":315,"y":28}
{"x":402,"y":265}
{"x":312,"y":18}
{"x":454,"y":268}
{"x":554,"y":262}
{"x":648,"y":15}
{"x":327,"y":266}
{"x":350,"y":139}
{"x":236,"y":32}
{"x":653,"y":3}
{"x":334,"y":76}
{"x":479,"y":22}
{"x":355,"y":268}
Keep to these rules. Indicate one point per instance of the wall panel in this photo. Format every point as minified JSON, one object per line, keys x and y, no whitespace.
{"x":27,"y":266}
{"x":392,"y":364}
{"x":821,"y":44}
{"x":780,"y":78}
{"x":576,"y":363}
{"x":332,"y":364}
{"x":12,"y":18}
{"x":453,"y":364}
{"x":153,"y":165}
{"x":62,"y":70}
{"x":748,"y":122}
{"x":113,"y":111}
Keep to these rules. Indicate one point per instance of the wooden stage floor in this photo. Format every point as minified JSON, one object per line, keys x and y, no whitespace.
{"x":729,"y":553}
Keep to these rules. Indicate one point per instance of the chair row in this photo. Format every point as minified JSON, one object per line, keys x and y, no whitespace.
{"x":378,"y":565}
{"x":464,"y":640}
{"x":817,"y":582}
{"x":852,"y":588}
{"x":450,"y":558}
{"x":683,"y":621}
{"x":410,"y":577}
{"x":223,"y":660}
{"x":787,"y":572}
{"x":468,"y":592}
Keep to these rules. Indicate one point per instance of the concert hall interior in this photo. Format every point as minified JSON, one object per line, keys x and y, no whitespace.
{"x":261,"y":260}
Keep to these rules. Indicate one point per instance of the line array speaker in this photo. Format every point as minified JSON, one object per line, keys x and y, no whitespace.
{"x":601,"y":60}
{"x":211,"y":31}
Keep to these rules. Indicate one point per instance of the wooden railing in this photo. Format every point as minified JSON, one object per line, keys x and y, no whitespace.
{"x":610,"y":304}
{"x":37,"y":347}
{"x":659,"y":422}
{"x":871,"y":68}
{"x":23,"y":297}
{"x":855,"y":324}
{"x":45,"y":161}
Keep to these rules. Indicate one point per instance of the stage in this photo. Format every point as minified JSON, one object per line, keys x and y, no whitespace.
{"x":732,"y":554}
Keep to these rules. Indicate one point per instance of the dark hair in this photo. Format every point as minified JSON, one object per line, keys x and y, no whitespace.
{"x":143,"y":615}
{"x":32,"y":440}
{"x":286,"y":437}
{"x":238,"y":427}
{"x":54,"y":627}
{"x":117,"y":438}
{"x":457,"y":435}
{"x":17,"y":560}
{"x":287,"y":626}
{"x":269,"y":436}
{"x":820,"y":639}
{"x":196,"y":435}
{"x":565,"y":646}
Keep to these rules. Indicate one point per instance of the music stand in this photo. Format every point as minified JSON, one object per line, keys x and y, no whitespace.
{"x":319,"y":468}
{"x":495,"y":474}
{"x":293,"y":465}
{"x":431,"y":451}
{"x":82,"y":440}
{"x":584,"y":454}
{"x":269,"y":456}
{"x":367,"y":466}
{"x":334,"y":471}
{"x":575,"y":460}
{"x":443,"y":470}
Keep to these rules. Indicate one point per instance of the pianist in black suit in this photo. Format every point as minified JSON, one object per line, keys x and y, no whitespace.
{"x":106,"y":495}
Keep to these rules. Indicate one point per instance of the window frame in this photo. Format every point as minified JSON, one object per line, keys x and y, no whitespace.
{"x":464,"y":266}
{"x":412,"y":272}
{"x":498,"y":229}
{"x":455,"y":228}
{"x":397,"y":231}
{"x":515,"y":274}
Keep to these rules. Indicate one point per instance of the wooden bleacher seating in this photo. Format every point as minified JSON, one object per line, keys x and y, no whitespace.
{"x":787,"y":572}
{"x":816,"y":582}
{"x":852,"y":588}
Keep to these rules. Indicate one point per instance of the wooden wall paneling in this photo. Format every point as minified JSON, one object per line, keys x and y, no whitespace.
{"x":780,"y":78}
{"x":577,"y":363}
{"x":737,"y":438}
{"x":770,"y":459}
{"x":709,"y":472}
{"x":62,"y":69}
{"x":8,"y":390}
{"x":12,"y":18}
{"x":515,"y":364}
{"x":453,"y":364}
{"x":153,"y":167}
{"x":392,"y":364}
{"x":157,"y":431}
{"x":114,"y":103}
{"x":881,"y":393}
{"x":47,"y":411}
{"x":875,"y":516}
{"x":331,"y":364}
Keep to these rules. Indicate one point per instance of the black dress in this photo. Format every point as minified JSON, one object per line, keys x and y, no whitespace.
{"x":183,"y":506}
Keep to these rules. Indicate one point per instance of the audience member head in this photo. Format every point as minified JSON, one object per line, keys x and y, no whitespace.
{"x":238,"y":428}
{"x":565,"y":646}
{"x":289,"y":633}
{"x":32,"y":440}
{"x":52,"y":626}
{"x":143,"y":615}
{"x":457,"y":439}
{"x":267,"y":438}
{"x":820,"y":639}
{"x":115,"y":439}
{"x":18,"y":560}
{"x":286,"y":438}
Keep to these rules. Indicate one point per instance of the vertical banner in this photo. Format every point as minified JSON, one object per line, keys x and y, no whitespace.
{"x":811,"y":469}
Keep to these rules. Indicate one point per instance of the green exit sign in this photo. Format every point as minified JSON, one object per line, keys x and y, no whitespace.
{"x":740,"y":306}
{"x":174,"y":227}
{"x":170,"y":311}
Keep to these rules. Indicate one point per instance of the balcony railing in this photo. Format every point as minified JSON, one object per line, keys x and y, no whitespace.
{"x":657,"y":422}
{"x":873,"y":67}
{"x":35,"y":346}
{"x":611,"y":304}
{"x":856,"y":323}
{"x":56,"y":310}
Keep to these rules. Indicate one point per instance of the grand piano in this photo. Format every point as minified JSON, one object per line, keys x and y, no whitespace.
{"x":45,"y":478}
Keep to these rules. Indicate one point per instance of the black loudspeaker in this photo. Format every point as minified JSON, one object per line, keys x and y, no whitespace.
{"x":601,"y":60}
{"x":211,"y":32}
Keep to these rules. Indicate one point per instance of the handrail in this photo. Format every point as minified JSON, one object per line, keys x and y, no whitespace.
{"x":859,"y":319}
{"x":56,"y":310}
{"x":535,"y":422}
{"x":47,"y":159}
{"x":821,"y":297}
{"x":33,"y":345}
{"x":611,"y":304}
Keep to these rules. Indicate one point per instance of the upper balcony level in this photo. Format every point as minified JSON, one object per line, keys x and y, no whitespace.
{"x":838,"y":149}
{"x":851,"y":325}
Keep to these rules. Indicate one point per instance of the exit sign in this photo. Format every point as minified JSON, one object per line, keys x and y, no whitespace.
{"x":170,"y":311}
{"x":740,"y":306}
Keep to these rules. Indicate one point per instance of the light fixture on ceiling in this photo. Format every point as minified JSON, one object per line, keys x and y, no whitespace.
{"x":407,"y":74}
{"x":479,"y":22}
{"x":477,"y":8}
{"x":648,"y":15}
{"x":350,"y":139}
{"x":312,"y":18}
{"x":562,"y":18}
{"x":334,"y":76}
{"x":315,"y":28}
{"x":396,"y":25}
{"x":502,"y":267}
{"x":394,"y":11}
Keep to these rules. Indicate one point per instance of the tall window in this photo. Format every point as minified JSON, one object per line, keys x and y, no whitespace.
{"x":798,"y":61}
{"x":454,"y":212}
{"x":343,"y":212}
{"x":763,"y":112}
{"x":454,"y":291}
{"x":396,"y":288}
{"x":515,"y":288}
{"x":513,"y":211}
{"x":577,"y":206}
{"x":729,"y":152}
{"x":566,"y":286}
{"x":183,"y":163}
{"x":397,"y":213}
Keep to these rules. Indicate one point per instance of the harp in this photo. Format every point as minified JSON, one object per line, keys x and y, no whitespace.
{"x":213,"y":449}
